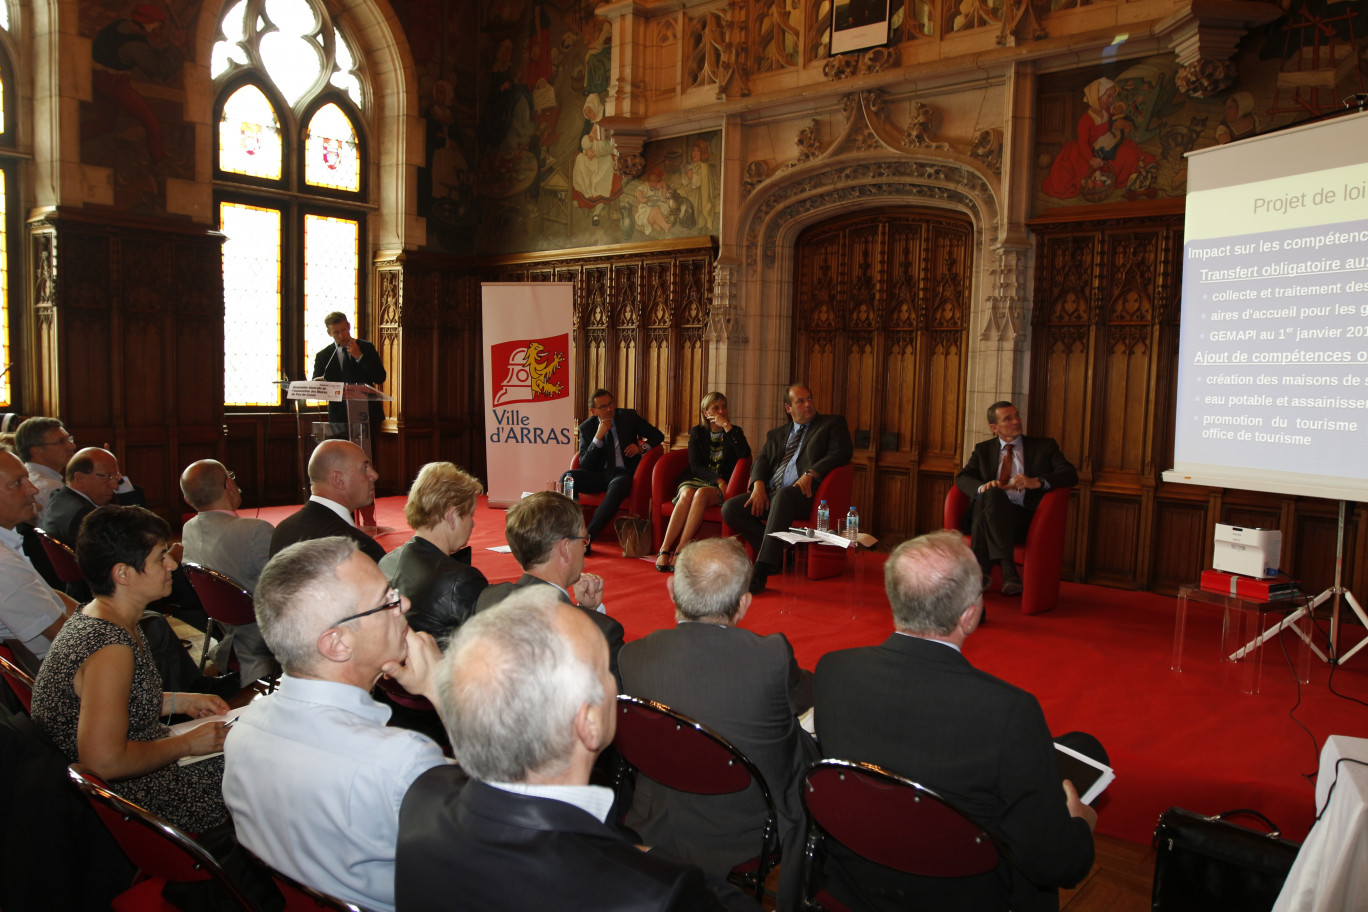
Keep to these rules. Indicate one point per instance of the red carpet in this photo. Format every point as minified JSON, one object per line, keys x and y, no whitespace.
{"x":1099,"y":663}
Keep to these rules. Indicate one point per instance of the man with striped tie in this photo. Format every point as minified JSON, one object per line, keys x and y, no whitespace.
{"x":1005,"y":478}
{"x":796,"y":457}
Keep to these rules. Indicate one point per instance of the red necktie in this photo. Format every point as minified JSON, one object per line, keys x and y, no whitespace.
{"x":1005,"y":471}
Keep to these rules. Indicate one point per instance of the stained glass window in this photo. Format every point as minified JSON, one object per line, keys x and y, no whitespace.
{"x":330,"y":276}
{"x":331,"y":158}
{"x":251,"y":304}
{"x":249,"y":135}
{"x":294,"y":246}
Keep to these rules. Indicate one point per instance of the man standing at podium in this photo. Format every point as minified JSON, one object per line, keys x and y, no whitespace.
{"x":349,"y":360}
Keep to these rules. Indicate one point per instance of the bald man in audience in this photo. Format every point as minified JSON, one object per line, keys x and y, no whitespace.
{"x":747,"y":688}
{"x":527,"y":697}
{"x":92,"y":477}
{"x":236,"y":546}
{"x":312,"y":774}
{"x":916,"y":706}
{"x":341,"y":481}
{"x":46,"y":447}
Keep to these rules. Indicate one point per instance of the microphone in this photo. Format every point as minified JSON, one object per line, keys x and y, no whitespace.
{"x":323,"y":375}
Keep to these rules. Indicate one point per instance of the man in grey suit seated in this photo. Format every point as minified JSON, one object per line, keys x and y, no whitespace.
{"x":526,"y":695}
{"x":750,"y":690}
{"x":546,"y":534}
{"x":236,"y":546}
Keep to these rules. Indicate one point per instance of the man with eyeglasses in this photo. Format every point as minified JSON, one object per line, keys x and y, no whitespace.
{"x":92,"y":477}
{"x":236,"y":546}
{"x":46,"y":448}
{"x":546,"y":533}
{"x":313,"y":776}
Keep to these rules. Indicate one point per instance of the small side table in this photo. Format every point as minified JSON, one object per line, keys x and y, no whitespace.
{"x":1248,"y":627}
{"x":816,"y":570}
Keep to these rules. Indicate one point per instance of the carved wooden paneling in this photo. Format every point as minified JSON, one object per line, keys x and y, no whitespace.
{"x":881,"y":299}
{"x":1115,"y":533}
{"x":128,"y":319}
{"x":1177,"y":526}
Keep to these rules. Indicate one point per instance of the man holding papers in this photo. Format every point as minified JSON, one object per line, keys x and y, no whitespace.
{"x":915,"y":706}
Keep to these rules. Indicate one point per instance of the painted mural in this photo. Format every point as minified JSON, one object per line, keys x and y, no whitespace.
{"x":134,"y":123}
{"x":518,"y":146}
{"x":1117,"y":133}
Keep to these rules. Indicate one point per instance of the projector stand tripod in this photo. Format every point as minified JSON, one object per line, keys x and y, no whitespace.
{"x":1337,"y":592}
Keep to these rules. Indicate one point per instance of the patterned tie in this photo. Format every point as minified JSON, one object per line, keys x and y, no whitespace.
{"x":1005,"y":471}
{"x":795,"y":440}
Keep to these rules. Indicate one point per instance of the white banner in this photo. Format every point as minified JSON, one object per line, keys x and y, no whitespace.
{"x":528,"y":370}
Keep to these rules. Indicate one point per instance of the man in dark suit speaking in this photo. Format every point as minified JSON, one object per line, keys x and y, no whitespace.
{"x":1005,"y":478}
{"x":611,"y":443}
{"x":796,"y":457}
{"x":349,"y":360}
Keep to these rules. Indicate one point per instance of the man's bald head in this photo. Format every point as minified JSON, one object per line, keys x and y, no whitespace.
{"x":95,"y":473}
{"x":340,"y":471}
{"x":206,"y":485}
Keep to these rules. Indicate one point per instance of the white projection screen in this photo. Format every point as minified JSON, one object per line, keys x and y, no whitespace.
{"x":1273,"y":353}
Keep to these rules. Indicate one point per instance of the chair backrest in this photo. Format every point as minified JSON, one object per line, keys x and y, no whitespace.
{"x":680,"y":753}
{"x":155,"y":846}
{"x":835,"y":489}
{"x":299,"y":897}
{"x":895,"y":822}
{"x":17,"y":679}
{"x":222,"y":598}
{"x":665,"y":477}
{"x":62,"y":558}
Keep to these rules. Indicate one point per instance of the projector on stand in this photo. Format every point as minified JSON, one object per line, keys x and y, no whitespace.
{"x":1248,"y":552}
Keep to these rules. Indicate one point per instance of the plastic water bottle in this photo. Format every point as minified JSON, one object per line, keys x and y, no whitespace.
{"x":852,"y":526}
{"x":568,"y":487}
{"x":823,"y":517}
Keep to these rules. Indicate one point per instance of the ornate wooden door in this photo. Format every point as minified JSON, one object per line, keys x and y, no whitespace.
{"x":880,"y":321}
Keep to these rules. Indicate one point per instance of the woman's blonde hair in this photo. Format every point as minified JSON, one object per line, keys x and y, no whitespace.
{"x":439,"y":487}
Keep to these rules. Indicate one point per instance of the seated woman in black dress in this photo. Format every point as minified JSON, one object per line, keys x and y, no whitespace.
{"x":98,"y":694}
{"x":715,"y":446}
{"x":441,"y":588}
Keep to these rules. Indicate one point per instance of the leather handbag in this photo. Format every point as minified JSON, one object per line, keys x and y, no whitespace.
{"x":634,"y":535}
{"x":1205,"y":863}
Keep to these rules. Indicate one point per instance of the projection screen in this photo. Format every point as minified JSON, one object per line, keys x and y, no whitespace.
{"x":1273,"y":353}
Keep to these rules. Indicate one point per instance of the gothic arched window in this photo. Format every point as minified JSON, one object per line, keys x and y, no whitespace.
{"x":290,"y":176}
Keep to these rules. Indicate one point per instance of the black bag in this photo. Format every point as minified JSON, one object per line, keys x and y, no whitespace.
{"x":1205,"y":863}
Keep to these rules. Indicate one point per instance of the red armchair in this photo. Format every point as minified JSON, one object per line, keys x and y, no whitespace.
{"x":664,"y":482}
{"x":835,"y":490}
{"x":639,"y":501}
{"x":1041,"y":558}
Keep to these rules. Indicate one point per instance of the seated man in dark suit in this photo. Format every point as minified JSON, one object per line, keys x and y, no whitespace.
{"x":546,"y":533}
{"x":342,"y":481}
{"x":611,"y":443}
{"x":1005,"y":478}
{"x":914,"y":705}
{"x":796,"y":456}
{"x":526,"y":695}
{"x":92,"y":477}
{"x":745,"y":687}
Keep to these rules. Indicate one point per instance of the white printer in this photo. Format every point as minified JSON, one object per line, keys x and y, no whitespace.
{"x":1248,"y":552}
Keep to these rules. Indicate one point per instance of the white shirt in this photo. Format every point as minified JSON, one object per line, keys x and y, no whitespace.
{"x":28,"y":606}
{"x":45,"y":480}
{"x":314,"y":780}
{"x":594,"y":800}
{"x":336,"y":508}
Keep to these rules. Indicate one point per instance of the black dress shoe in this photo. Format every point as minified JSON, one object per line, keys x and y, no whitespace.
{"x":759,"y":576}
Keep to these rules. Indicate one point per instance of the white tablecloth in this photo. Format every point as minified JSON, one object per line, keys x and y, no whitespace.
{"x":1331,"y":870}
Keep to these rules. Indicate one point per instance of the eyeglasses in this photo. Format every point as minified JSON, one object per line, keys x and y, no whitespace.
{"x":107,"y":476}
{"x":62,"y":441}
{"x":232,"y":476}
{"x":394,"y":600}
{"x":583,"y":539}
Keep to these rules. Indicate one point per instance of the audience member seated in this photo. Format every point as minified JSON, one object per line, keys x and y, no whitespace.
{"x":1005,"y":478}
{"x":236,"y":546}
{"x":342,"y":482}
{"x":92,"y":477}
{"x":546,"y":534}
{"x":915,"y":706}
{"x":528,"y":700}
{"x":314,"y":777}
{"x":715,"y":446}
{"x":611,"y":443}
{"x":98,"y":694}
{"x":745,"y":687}
{"x":796,"y":456}
{"x":441,"y":588}
{"x":45,"y":447}
{"x":30,"y":610}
